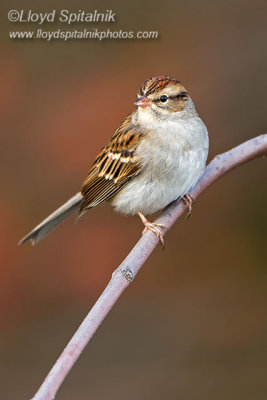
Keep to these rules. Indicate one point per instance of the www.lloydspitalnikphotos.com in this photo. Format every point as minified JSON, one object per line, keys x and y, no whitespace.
{"x":64,"y":16}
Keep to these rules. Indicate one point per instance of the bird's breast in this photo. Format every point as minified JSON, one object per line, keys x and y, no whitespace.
{"x":173,"y":157}
{"x":169,"y":148}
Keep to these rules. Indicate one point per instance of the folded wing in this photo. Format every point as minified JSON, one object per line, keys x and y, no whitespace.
{"x":113,"y":167}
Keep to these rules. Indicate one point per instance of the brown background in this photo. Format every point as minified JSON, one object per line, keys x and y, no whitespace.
{"x":193,"y":324}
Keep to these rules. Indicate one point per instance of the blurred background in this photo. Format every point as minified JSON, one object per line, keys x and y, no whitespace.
{"x":193,"y":324}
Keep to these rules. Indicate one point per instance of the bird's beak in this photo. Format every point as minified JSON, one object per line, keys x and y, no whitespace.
{"x":143,"y":102}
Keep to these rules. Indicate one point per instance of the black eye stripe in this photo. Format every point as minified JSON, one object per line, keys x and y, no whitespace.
{"x":181,"y":95}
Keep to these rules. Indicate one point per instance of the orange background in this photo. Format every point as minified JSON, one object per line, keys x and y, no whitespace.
{"x":193,"y":324}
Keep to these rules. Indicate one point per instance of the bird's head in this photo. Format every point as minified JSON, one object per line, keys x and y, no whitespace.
{"x":164,"y":96}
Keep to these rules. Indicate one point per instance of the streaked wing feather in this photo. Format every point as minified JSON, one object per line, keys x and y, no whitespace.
{"x":113,"y":167}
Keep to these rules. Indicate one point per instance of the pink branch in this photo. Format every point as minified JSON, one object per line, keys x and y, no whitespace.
{"x":126,"y":272}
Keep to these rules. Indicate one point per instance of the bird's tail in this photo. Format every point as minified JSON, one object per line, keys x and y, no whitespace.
{"x":58,"y":216}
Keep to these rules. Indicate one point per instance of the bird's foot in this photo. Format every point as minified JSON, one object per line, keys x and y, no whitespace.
{"x":153,"y":227}
{"x":188,"y":200}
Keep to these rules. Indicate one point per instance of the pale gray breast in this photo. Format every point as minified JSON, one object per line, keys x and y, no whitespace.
{"x":174,"y":157}
{"x":164,"y":149}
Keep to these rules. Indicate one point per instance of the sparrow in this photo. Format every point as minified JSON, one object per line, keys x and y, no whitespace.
{"x":155,"y":157}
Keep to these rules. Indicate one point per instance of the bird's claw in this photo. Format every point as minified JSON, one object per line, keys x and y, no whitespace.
{"x":188,"y":200}
{"x":153,"y":227}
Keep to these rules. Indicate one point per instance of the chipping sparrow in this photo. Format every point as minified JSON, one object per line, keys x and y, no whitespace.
{"x":156,"y":156}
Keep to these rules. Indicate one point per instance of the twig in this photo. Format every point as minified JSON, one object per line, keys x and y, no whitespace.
{"x":126,"y":272}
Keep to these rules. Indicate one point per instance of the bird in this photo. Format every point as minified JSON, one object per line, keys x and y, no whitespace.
{"x":155,"y":156}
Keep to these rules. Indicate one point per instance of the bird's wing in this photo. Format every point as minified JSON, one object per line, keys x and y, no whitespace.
{"x":113,"y":167}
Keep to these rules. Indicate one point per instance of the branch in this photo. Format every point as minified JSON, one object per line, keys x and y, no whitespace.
{"x":126,"y":272}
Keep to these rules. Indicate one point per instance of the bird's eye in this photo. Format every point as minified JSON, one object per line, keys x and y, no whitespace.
{"x":163,"y":98}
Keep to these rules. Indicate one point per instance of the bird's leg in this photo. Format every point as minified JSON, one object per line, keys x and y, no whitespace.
{"x":152,"y":227}
{"x":188,"y":200}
